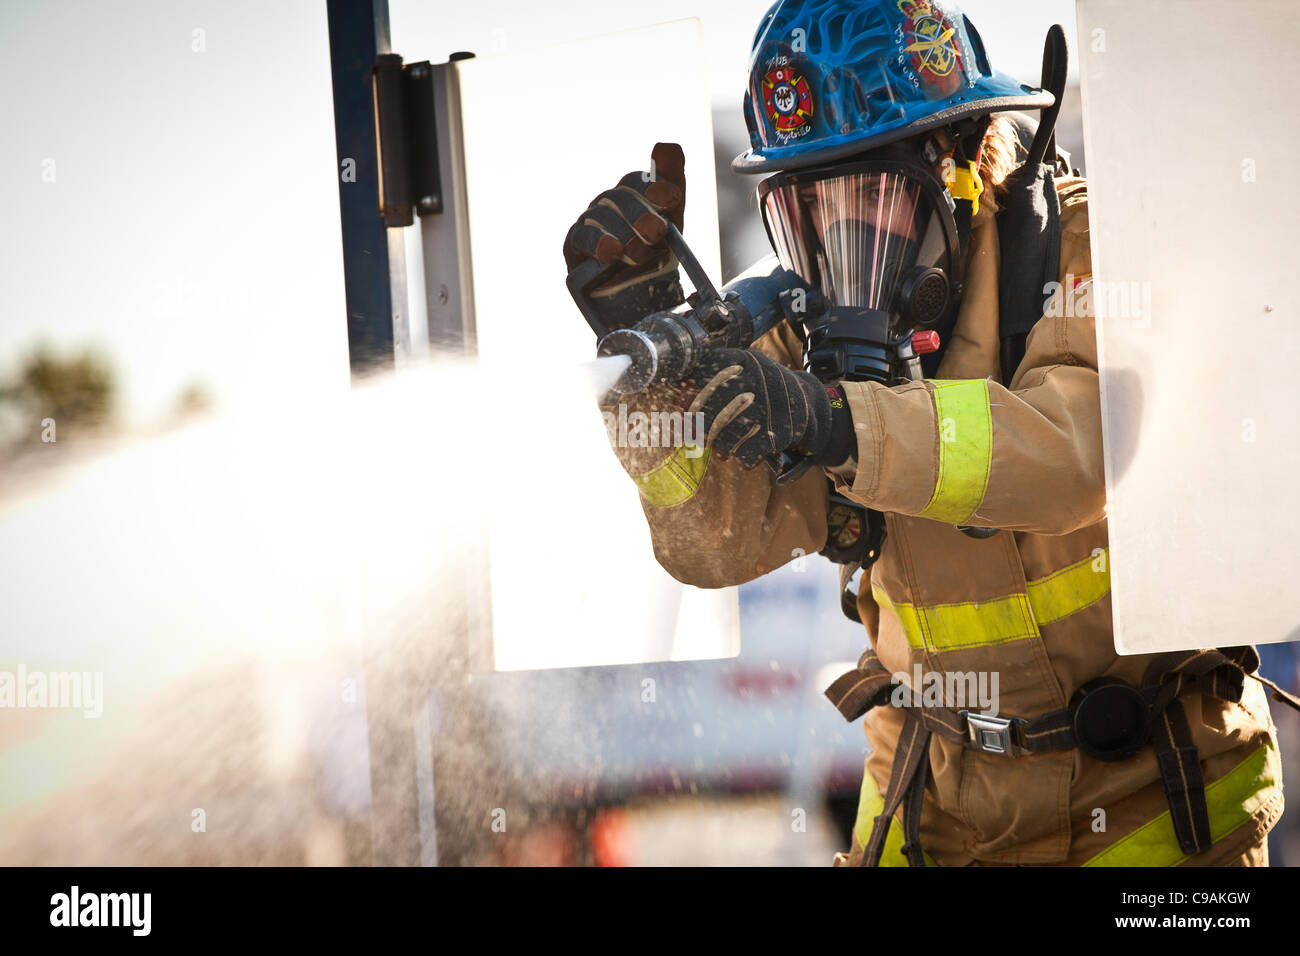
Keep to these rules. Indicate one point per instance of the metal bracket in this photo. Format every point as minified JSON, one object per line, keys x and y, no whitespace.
{"x":406,"y":140}
{"x":992,"y":735}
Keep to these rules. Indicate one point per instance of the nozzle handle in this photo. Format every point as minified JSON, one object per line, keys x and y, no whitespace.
{"x":700,"y":281}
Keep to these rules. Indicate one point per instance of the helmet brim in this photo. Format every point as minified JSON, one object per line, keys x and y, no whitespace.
{"x":778,"y":160}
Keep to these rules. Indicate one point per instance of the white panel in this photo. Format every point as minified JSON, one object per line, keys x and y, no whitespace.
{"x":1191,"y":143}
{"x":574,"y":580}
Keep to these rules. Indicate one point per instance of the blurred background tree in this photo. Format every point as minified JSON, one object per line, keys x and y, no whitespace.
{"x":77,"y":391}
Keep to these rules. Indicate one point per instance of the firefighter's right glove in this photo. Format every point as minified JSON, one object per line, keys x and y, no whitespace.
{"x":753,"y":406}
{"x":627,"y":225}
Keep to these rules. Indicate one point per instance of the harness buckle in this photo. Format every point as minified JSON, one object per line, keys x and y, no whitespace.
{"x":991,"y":735}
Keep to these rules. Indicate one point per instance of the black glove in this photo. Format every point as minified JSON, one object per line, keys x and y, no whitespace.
{"x":754,"y":406}
{"x":627,"y":224}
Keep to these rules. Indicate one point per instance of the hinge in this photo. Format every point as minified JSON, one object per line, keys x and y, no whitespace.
{"x":406,"y":140}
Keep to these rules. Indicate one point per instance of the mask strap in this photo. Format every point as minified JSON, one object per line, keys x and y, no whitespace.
{"x":967,"y":186}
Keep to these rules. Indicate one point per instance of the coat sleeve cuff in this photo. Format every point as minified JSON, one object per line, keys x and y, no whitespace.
{"x":897,"y":446}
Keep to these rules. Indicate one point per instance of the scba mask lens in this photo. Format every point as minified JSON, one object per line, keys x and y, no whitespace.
{"x":876,"y":235}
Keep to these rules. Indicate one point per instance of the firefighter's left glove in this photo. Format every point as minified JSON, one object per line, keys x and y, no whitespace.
{"x":624,"y":229}
{"x":753,"y":406}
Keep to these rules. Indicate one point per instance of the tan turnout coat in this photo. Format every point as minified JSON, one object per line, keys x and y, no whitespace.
{"x":1030,"y":603}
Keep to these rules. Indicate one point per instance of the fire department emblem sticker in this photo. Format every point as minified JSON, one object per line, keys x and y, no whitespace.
{"x":930,"y":40}
{"x":789,"y":103}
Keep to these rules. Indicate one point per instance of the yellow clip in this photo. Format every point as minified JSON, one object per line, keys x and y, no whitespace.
{"x":966,"y":184}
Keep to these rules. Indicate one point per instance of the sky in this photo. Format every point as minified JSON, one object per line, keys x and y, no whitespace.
{"x":168,"y":176}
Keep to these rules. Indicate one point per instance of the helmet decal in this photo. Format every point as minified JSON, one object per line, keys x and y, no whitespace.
{"x":931,"y":40}
{"x":787,"y":99}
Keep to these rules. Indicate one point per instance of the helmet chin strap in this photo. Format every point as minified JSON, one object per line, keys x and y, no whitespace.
{"x":967,"y":139}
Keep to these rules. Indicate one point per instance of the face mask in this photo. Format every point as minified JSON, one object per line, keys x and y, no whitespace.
{"x":878,"y":240}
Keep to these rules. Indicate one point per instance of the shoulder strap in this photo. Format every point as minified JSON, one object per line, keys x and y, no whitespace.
{"x":1029,"y":222}
{"x":1029,"y":234}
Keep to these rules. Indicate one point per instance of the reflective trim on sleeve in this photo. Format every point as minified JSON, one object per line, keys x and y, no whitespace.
{"x":870,"y":803}
{"x":965,"y":424}
{"x":1070,"y":589}
{"x":1232,"y":800}
{"x":676,"y":479}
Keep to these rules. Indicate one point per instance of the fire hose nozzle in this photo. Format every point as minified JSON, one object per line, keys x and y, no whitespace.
{"x":662,"y":347}
{"x":644,"y":357}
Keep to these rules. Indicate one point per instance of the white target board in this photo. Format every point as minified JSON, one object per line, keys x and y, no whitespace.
{"x":573,"y":579}
{"x":1191,"y":142}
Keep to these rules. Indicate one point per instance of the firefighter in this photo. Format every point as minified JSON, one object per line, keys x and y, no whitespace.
{"x":897,"y":184}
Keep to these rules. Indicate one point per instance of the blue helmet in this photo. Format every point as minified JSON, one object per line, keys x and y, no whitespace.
{"x":829,"y":79}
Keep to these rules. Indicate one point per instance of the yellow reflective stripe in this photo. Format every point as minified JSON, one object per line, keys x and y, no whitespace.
{"x":676,"y":479}
{"x":1232,"y":800}
{"x":965,"y":423}
{"x":1070,"y":589}
{"x":870,"y":803}
{"x":944,"y":627}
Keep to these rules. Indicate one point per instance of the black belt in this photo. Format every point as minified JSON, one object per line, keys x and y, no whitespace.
{"x":1107,"y":719}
